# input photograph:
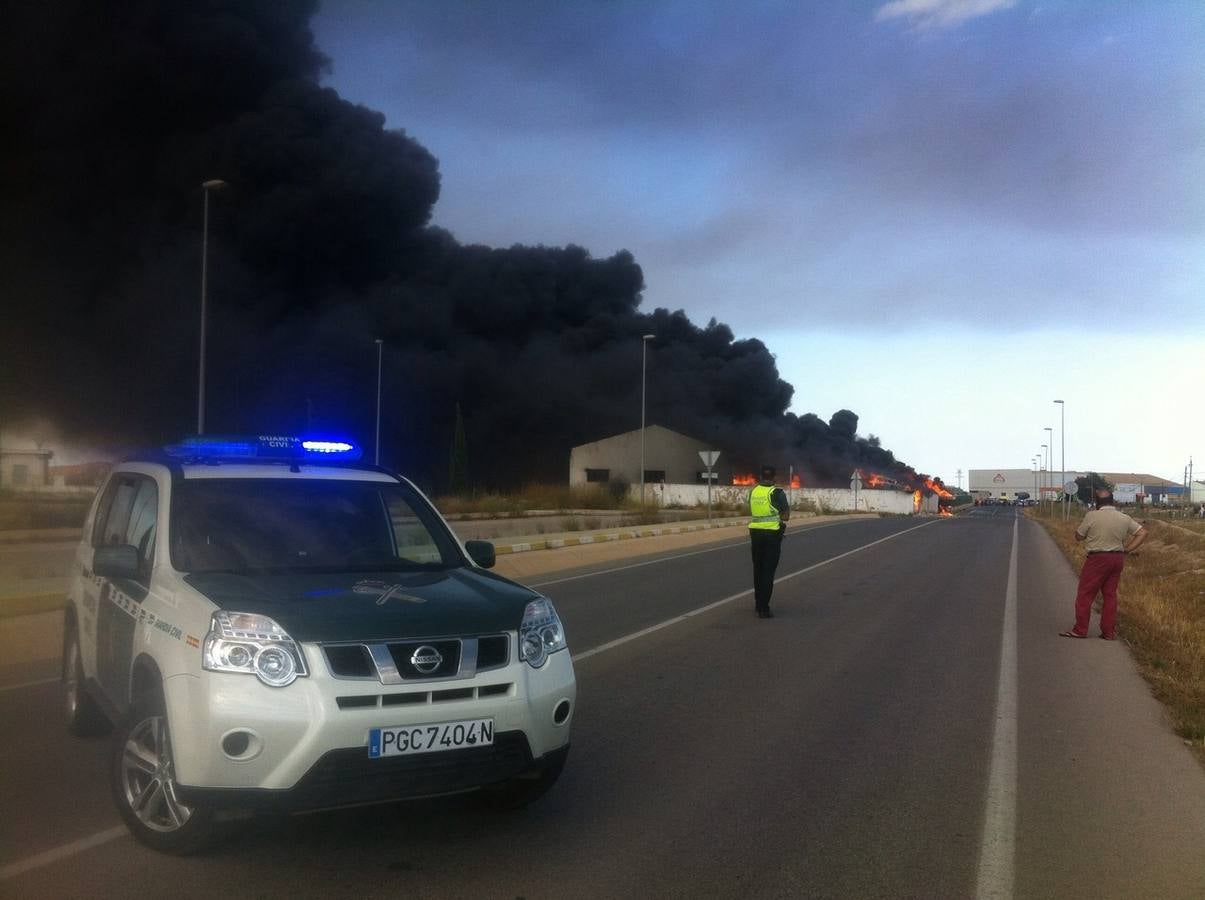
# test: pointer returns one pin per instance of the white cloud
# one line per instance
(939, 13)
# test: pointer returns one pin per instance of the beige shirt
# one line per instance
(1106, 529)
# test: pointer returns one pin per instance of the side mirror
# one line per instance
(119, 562)
(481, 552)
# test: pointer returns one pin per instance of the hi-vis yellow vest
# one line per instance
(765, 516)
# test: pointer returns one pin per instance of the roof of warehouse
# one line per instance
(1137, 478)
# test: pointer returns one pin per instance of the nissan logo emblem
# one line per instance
(426, 659)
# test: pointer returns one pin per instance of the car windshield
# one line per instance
(275, 524)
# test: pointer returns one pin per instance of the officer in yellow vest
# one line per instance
(770, 511)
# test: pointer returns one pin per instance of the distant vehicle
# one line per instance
(269, 625)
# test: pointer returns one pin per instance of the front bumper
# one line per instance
(307, 735)
(349, 778)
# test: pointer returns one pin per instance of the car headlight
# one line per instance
(541, 633)
(254, 645)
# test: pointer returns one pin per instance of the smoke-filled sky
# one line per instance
(942, 214)
(321, 248)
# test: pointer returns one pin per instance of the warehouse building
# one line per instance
(25, 469)
(1128, 487)
(669, 457)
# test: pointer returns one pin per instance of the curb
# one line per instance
(40, 535)
(605, 537)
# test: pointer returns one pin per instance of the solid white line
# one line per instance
(26, 684)
(652, 562)
(58, 853)
(618, 642)
(997, 852)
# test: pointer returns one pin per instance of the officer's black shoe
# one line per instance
(765, 614)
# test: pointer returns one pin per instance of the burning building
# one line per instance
(669, 458)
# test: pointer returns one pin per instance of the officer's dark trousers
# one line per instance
(767, 546)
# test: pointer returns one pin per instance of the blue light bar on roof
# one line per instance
(265, 446)
(327, 446)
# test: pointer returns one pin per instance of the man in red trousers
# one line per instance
(1109, 535)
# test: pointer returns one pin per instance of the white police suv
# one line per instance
(270, 625)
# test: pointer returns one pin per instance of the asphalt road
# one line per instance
(867, 742)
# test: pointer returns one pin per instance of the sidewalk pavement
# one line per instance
(527, 543)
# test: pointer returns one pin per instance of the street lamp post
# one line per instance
(644, 346)
(1045, 475)
(1034, 460)
(212, 185)
(376, 457)
(1063, 452)
(1049, 463)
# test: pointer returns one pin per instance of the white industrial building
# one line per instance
(1128, 487)
(669, 457)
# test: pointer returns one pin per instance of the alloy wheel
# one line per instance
(148, 777)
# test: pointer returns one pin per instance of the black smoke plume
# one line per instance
(116, 113)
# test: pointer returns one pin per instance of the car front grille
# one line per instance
(397, 662)
(410, 698)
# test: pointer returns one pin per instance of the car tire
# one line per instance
(525, 789)
(84, 716)
(142, 777)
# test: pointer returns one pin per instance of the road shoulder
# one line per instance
(1112, 803)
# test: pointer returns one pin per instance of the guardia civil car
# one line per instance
(269, 625)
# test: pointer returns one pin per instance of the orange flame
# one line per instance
(876, 481)
(796, 481)
(945, 511)
(916, 501)
(937, 489)
(743, 480)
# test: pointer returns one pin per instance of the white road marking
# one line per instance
(59, 853)
(27, 684)
(997, 852)
(618, 642)
(652, 562)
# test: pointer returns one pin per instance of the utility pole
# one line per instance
(376, 456)
(959, 475)
(1063, 452)
(644, 349)
(206, 186)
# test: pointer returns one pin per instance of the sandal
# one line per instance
(1072, 634)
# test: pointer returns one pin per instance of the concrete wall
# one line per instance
(675, 454)
(835, 499)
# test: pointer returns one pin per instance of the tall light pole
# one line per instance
(206, 186)
(1063, 452)
(1035, 460)
(1045, 475)
(376, 457)
(1049, 462)
(644, 348)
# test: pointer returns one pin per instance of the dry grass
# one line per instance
(554, 497)
(1162, 615)
(32, 511)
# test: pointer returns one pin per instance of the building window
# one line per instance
(20, 474)
(598, 475)
(654, 476)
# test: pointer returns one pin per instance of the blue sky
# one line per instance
(941, 214)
